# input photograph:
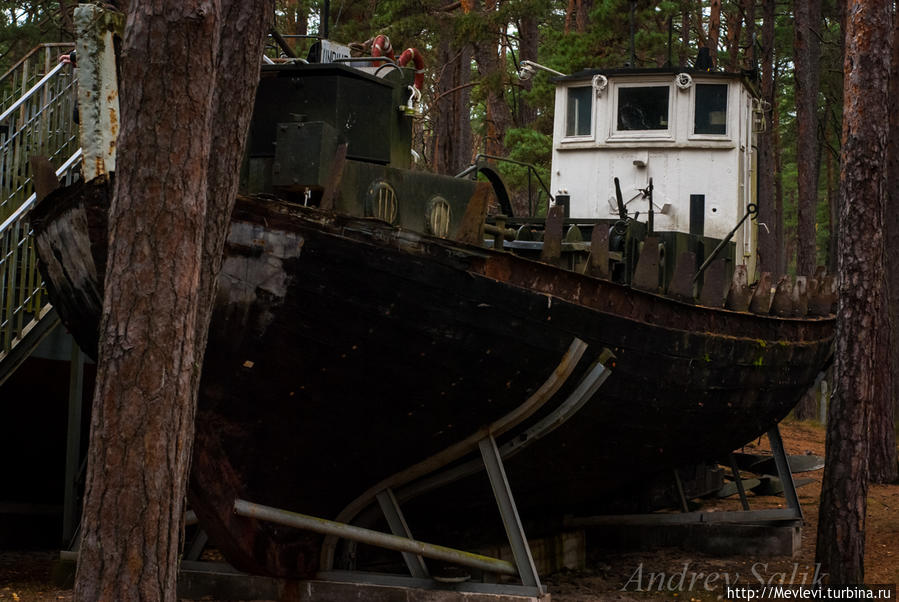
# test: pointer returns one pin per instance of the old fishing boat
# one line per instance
(366, 337)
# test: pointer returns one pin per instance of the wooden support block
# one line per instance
(335, 177)
(782, 305)
(43, 177)
(681, 286)
(800, 296)
(820, 296)
(832, 288)
(598, 262)
(714, 284)
(552, 235)
(739, 295)
(761, 298)
(646, 276)
(471, 230)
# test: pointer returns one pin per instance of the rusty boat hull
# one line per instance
(343, 350)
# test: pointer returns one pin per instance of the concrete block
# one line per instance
(709, 538)
(567, 550)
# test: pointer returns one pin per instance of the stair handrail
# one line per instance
(31, 200)
(39, 122)
(20, 66)
(22, 301)
(31, 92)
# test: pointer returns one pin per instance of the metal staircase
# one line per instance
(37, 101)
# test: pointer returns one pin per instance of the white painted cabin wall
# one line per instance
(680, 164)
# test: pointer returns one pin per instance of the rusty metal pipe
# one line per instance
(375, 538)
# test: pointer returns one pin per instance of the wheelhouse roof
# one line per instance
(749, 77)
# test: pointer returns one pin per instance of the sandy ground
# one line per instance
(606, 577)
(27, 576)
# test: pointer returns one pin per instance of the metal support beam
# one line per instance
(681, 496)
(783, 470)
(70, 516)
(739, 481)
(773, 515)
(197, 546)
(527, 571)
(398, 526)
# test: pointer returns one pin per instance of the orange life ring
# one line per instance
(380, 46)
(412, 54)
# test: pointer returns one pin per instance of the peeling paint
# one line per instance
(98, 96)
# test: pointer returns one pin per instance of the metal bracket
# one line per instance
(397, 523)
(739, 481)
(783, 471)
(524, 560)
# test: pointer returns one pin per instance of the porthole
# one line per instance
(381, 203)
(438, 216)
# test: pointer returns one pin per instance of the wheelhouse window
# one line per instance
(711, 109)
(580, 111)
(642, 108)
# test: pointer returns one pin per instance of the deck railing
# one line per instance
(38, 121)
(24, 301)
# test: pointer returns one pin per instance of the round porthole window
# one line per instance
(381, 203)
(438, 215)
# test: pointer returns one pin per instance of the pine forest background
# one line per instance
(474, 102)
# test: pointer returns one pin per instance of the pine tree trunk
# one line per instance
(682, 55)
(781, 242)
(714, 30)
(807, 53)
(841, 522)
(732, 39)
(883, 421)
(767, 198)
(748, 8)
(529, 42)
(190, 69)
(491, 67)
(452, 141)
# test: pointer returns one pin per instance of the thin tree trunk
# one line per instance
(883, 423)
(734, 21)
(748, 7)
(529, 36)
(68, 25)
(452, 142)
(683, 56)
(714, 30)
(781, 242)
(296, 22)
(491, 68)
(767, 165)
(807, 53)
(186, 66)
(582, 17)
(833, 203)
(841, 522)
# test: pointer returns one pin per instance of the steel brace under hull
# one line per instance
(433, 473)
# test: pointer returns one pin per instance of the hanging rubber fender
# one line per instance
(380, 46)
(412, 54)
(499, 188)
